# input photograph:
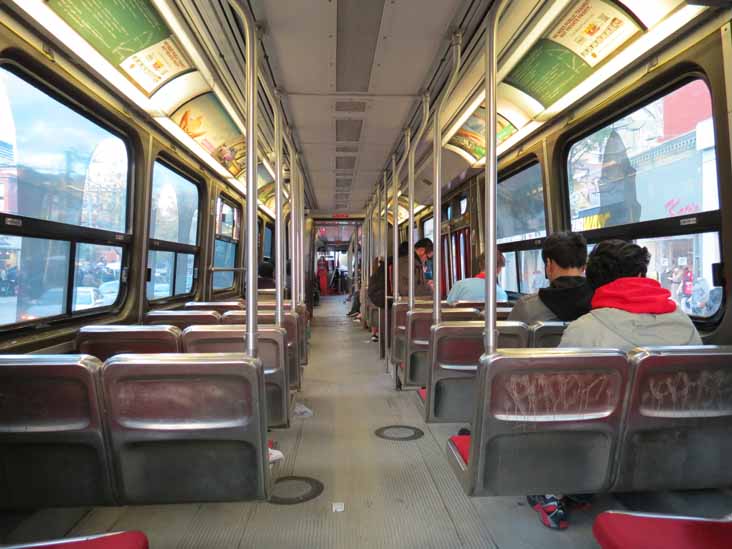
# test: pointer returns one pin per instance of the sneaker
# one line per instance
(464, 432)
(551, 511)
(374, 338)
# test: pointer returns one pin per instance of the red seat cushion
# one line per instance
(422, 394)
(462, 443)
(629, 531)
(118, 540)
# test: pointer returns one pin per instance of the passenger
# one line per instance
(265, 280)
(473, 289)
(422, 249)
(568, 295)
(628, 310)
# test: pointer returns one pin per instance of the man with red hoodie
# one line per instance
(627, 310)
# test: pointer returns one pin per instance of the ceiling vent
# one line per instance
(343, 184)
(348, 130)
(347, 149)
(345, 162)
(357, 29)
(350, 106)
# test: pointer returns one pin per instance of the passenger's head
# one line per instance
(423, 248)
(500, 262)
(266, 269)
(564, 254)
(613, 259)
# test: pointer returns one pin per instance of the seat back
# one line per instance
(108, 340)
(416, 357)
(546, 334)
(271, 351)
(547, 421)
(678, 431)
(52, 447)
(455, 351)
(182, 318)
(187, 427)
(290, 322)
(266, 294)
(219, 306)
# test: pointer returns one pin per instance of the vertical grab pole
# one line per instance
(377, 244)
(301, 231)
(279, 244)
(491, 174)
(410, 191)
(294, 212)
(437, 178)
(251, 142)
(396, 170)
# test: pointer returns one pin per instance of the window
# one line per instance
(654, 163)
(520, 206)
(225, 244)
(268, 251)
(63, 179)
(463, 205)
(428, 228)
(532, 276)
(507, 278)
(174, 234)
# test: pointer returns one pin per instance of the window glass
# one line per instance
(428, 228)
(33, 278)
(57, 165)
(463, 205)
(184, 273)
(224, 256)
(174, 215)
(96, 276)
(161, 276)
(654, 163)
(268, 243)
(532, 272)
(507, 277)
(683, 265)
(228, 220)
(520, 206)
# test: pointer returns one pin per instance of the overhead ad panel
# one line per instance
(130, 35)
(469, 140)
(205, 120)
(588, 33)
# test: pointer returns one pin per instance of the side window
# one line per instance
(655, 164)
(520, 206)
(174, 234)
(428, 228)
(226, 242)
(63, 196)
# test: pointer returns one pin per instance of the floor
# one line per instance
(393, 494)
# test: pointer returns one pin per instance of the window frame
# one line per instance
(687, 224)
(158, 245)
(75, 235)
(234, 239)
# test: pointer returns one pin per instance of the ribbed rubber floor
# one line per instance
(394, 494)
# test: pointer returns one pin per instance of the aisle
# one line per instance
(393, 494)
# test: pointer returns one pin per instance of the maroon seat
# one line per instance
(116, 540)
(619, 530)
(182, 319)
(116, 339)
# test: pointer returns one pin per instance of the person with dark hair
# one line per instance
(265, 280)
(628, 309)
(568, 295)
(422, 249)
(473, 289)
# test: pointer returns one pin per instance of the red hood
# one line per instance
(634, 295)
(480, 275)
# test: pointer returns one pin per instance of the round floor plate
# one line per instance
(399, 432)
(292, 490)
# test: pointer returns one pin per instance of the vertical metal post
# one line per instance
(410, 190)
(301, 232)
(395, 227)
(279, 221)
(491, 173)
(251, 173)
(437, 179)
(377, 245)
(294, 250)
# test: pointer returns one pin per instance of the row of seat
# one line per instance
(600, 420)
(107, 341)
(453, 356)
(139, 429)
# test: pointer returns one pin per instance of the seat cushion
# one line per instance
(422, 392)
(628, 531)
(462, 443)
(118, 540)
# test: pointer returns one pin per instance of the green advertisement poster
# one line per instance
(130, 34)
(469, 140)
(586, 35)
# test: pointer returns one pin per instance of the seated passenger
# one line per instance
(568, 295)
(265, 280)
(422, 250)
(473, 289)
(628, 310)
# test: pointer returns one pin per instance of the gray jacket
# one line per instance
(614, 328)
(530, 309)
(421, 289)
